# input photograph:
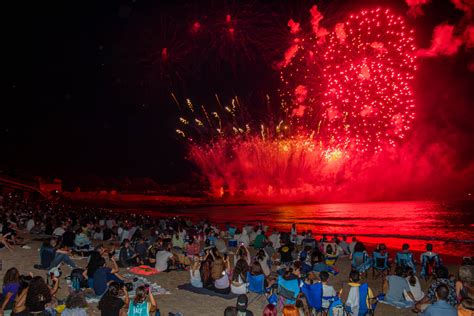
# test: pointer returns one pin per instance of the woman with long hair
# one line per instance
(76, 305)
(239, 277)
(140, 306)
(19, 307)
(39, 294)
(220, 274)
(11, 285)
(111, 304)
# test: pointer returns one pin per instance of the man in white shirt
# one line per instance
(162, 258)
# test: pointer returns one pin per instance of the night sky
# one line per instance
(88, 93)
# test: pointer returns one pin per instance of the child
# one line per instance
(140, 306)
(356, 290)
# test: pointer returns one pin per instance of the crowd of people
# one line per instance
(292, 271)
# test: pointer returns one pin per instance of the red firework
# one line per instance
(369, 67)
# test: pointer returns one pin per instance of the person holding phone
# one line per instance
(140, 305)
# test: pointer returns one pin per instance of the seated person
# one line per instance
(330, 254)
(441, 307)
(239, 277)
(286, 252)
(220, 270)
(141, 249)
(127, 256)
(395, 287)
(240, 308)
(430, 261)
(344, 245)
(415, 288)
(164, 258)
(105, 275)
(195, 273)
(220, 244)
(405, 259)
(442, 277)
(357, 291)
(177, 241)
(47, 253)
(260, 240)
(81, 241)
(381, 260)
(464, 288)
(328, 290)
(360, 259)
(262, 258)
(192, 247)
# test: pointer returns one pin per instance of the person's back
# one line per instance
(441, 307)
(138, 309)
(415, 288)
(397, 285)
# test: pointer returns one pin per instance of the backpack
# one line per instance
(77, 279)
(336, 308)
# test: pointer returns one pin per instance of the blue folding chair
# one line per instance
(361, 262)
(288, 289)
(314, 297)
(380, 264)
(429, 264)
(405, 260)
(256, 284)
(364, 308)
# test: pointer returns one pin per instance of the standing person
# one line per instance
(286, 253)
(111, 304)
(275, 238)
(11, 285)
(140, 306)
(293, 233)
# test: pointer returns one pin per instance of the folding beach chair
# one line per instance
(365, 308)
(314, 297)
(361, 262)
(256, 285)
(380, 265)
(429, 265)
(288, 290)
(405, 260)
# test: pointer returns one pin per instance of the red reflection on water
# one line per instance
(447, 227)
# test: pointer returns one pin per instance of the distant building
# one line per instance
(52, 187)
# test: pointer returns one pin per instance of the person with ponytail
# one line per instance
(140, 305)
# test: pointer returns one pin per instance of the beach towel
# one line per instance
(144, 270)
(188, 287)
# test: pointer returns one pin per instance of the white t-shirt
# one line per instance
(162, 258)
(30, 224)
(59, 231)
(328, 290)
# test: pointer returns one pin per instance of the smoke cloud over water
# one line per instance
(434, 161)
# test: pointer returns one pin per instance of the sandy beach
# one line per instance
(190, 304)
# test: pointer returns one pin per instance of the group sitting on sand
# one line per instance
(292, 271)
